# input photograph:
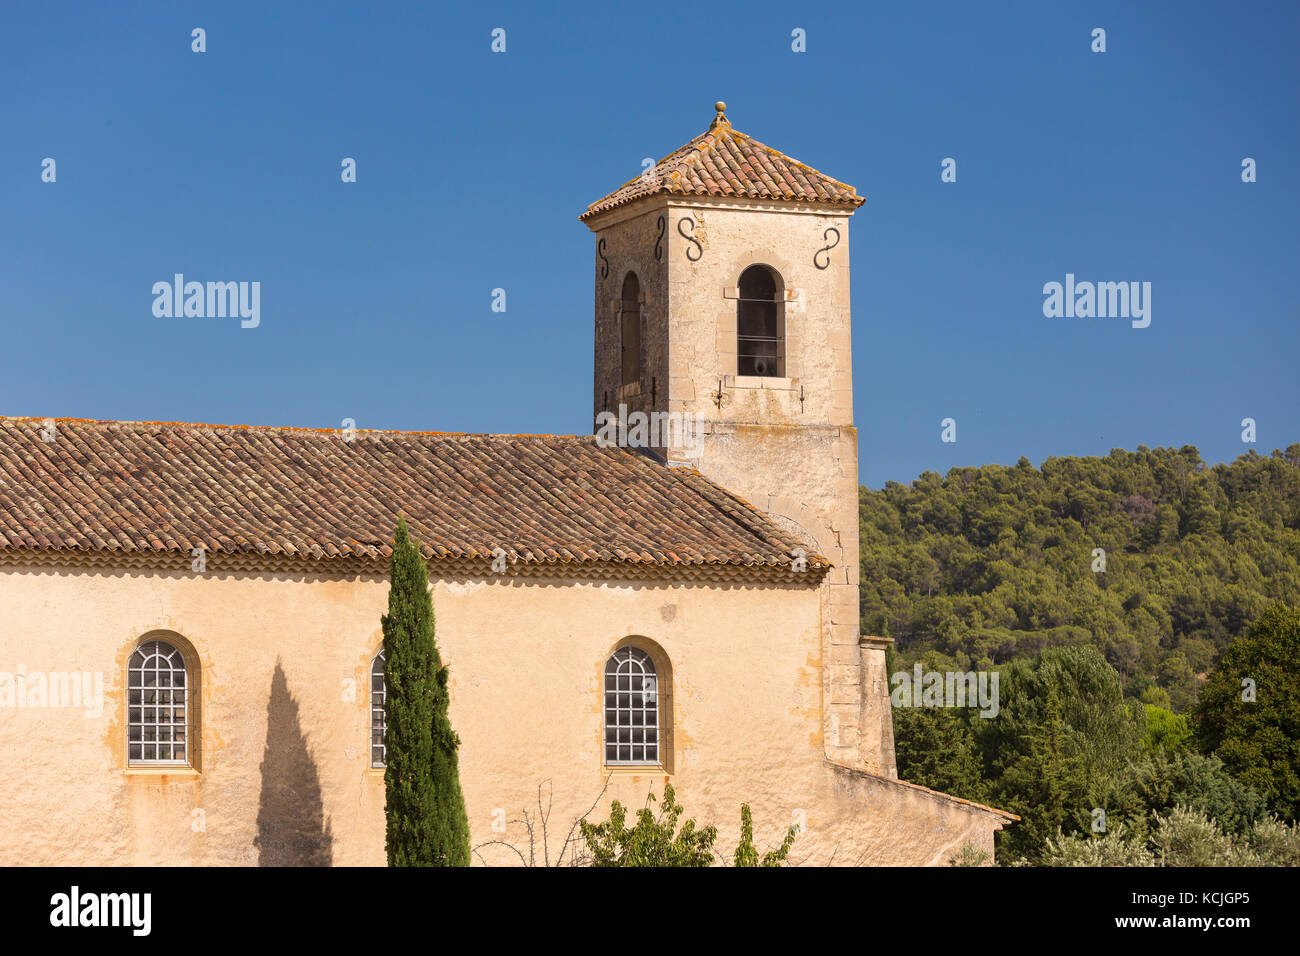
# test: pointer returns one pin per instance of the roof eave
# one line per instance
(596, 220)
(221, 563)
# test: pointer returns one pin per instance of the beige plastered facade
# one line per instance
(284, 776)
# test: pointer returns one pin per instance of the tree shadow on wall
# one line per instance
(291, 825)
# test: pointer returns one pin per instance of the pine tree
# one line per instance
(1249, 710)
(425, 811)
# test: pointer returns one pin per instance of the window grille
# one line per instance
(157, 705)
(631, 709)
(378, 721)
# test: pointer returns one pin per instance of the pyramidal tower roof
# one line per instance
(725, 163)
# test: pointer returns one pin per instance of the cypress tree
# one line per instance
(425, 809)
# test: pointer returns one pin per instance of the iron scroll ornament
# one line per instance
(827, 249)
(600, 251)
(699, 253)
(659, 252)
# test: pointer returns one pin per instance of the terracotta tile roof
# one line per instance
(154, 488)
(724, 162)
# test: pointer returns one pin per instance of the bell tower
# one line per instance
(722, 302)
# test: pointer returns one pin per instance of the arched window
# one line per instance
(632, 725)
(158, 705)
(630, 323)
(378, 693)
(760, 336)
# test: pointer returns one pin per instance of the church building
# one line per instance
(190, 658)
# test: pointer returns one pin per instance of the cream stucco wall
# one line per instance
(283, 770)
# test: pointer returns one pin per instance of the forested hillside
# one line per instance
(989, 564)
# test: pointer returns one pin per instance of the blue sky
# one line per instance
(473, 168)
